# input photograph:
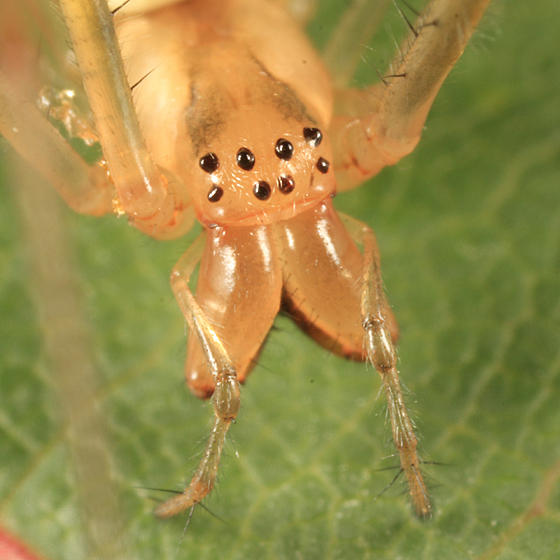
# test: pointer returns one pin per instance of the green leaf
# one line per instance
(468, 228)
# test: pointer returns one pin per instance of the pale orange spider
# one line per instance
(221, 111)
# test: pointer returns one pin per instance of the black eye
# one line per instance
(322, 165)
(262, 190)
(209, 162)
(215, 193)
(245, 159)
(284, 149)
(286, 184)
(313, 135)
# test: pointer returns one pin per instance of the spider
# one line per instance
(221, 112)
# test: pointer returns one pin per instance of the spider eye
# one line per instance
(286, 184)
(209, 162)
(313, 136)
(322, 165)
(215, 193)
(245, 159)
(284, 149)
(262, 190)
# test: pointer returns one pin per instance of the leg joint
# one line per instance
(227, 396)
(372, 322)
(380, 349)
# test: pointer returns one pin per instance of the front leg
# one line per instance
(226, 398)
(380, 125)
(145, 192)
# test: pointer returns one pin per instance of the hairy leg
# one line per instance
(226, 397)
(382, 354)
(381, 124)
(357, 25)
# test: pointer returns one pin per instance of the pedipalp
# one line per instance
(226, 396)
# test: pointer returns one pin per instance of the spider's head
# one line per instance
(261, 167)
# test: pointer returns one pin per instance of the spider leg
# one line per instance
(382, 354)
(357, 25)
(226, 397)
(85, 188)
(380, 125)
(145, 192)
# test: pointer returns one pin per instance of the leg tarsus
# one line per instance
(226, 402)
(405, 442)
(203, 480)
